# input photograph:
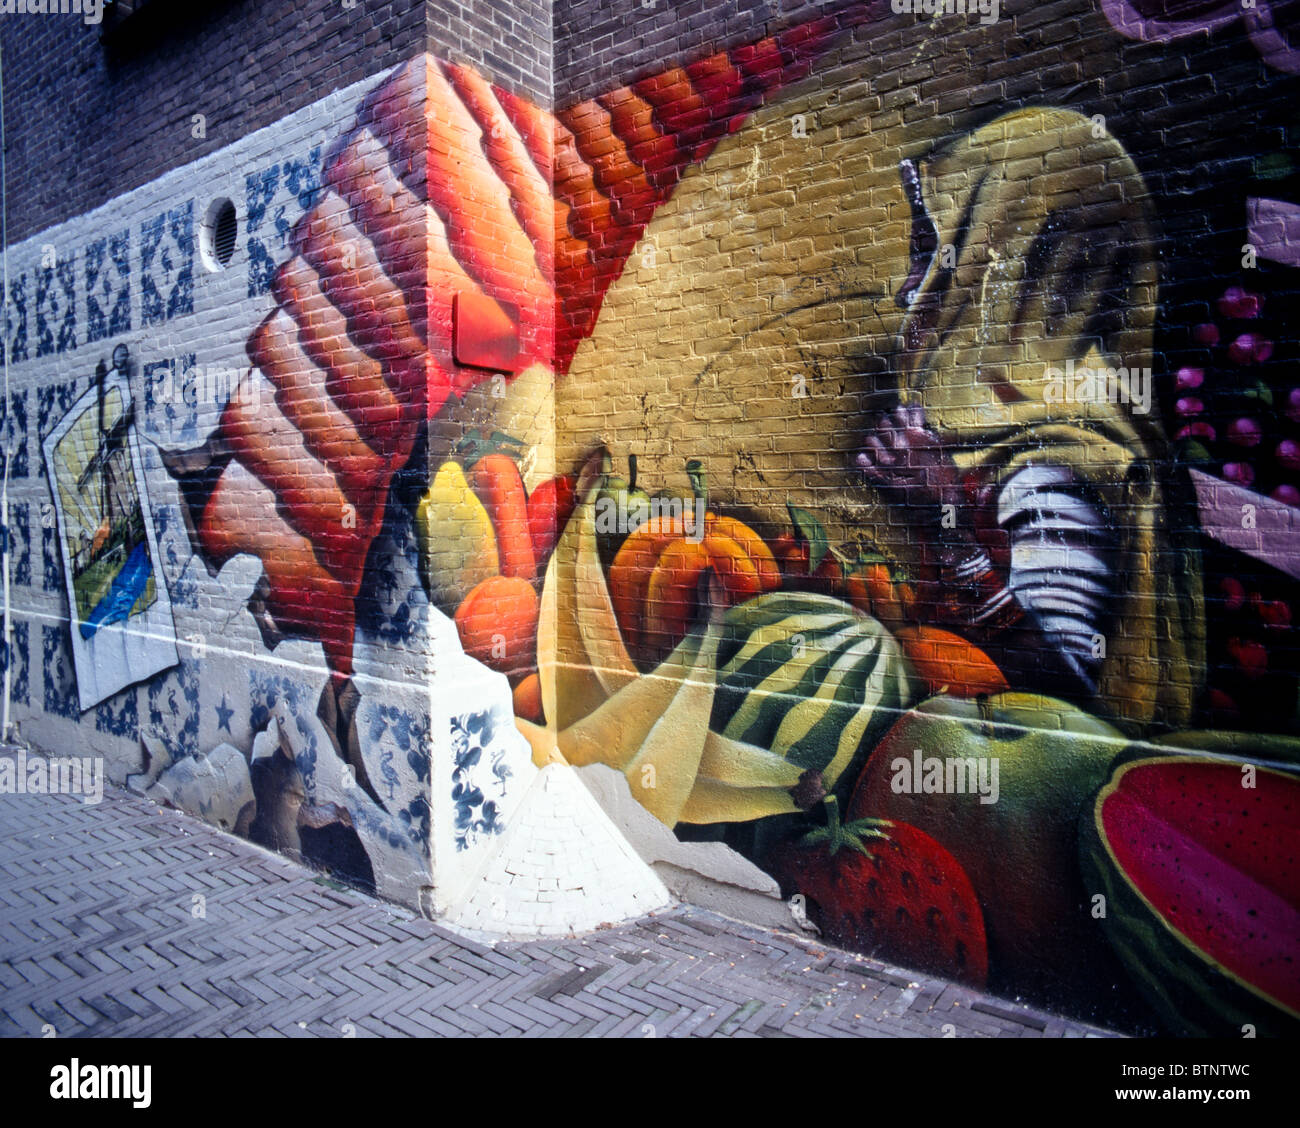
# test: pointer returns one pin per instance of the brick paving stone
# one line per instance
(558, 1015)
(630, 1026)
(605, 1025)
(78, 1013)
(25, 1018)
(413, 1028)
(588, 1006)
(514, 1013)
(1033, 1021)
(97, 938)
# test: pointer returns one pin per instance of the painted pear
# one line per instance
(458, 546)
(621, 507)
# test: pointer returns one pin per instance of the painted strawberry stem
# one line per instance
(837, 834)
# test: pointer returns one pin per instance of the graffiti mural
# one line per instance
(981, 551)
(902, 501)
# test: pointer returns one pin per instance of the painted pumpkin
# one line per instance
(655, 575)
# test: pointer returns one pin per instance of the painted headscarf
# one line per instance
(1043, 266)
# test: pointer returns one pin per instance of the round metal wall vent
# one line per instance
(219, 235)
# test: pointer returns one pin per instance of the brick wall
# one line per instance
(750, 282)
(600, 46)
(240, 413)
(89, 120)
(509, 41)
(756, 283)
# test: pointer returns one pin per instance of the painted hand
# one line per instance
(904, 457)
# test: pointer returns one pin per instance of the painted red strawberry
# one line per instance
(889, 890)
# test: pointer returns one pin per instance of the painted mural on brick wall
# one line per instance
(879, 496)
(934, 551)
(965, 597)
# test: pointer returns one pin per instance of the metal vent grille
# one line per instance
(225, 230)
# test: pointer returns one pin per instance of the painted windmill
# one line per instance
(111, 463)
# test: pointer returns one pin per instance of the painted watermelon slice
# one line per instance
(1201, 873)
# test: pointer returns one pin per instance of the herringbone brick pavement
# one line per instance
(124, 919)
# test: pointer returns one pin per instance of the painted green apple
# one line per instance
(999, 783)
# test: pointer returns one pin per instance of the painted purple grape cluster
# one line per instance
(1235, 413)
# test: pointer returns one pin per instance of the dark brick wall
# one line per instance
(88, 120)
(600, 44)
(509, 40)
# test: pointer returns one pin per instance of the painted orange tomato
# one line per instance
(871, 589)
(528, 698)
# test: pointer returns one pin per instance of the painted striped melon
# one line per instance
(810, 678)
(1199, 861)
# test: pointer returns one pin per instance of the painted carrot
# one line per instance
(947, 663)
(495, 479)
